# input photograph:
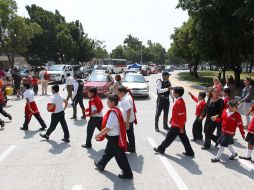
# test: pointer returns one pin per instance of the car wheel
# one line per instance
(62, 80)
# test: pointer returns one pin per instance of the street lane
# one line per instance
(38, 164)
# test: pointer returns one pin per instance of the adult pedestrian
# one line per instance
(57, 107)
(212, 112)
(246, 99)
(230, 84)
(7, 74)
(44, 76)
(117, 84)
(17, 81)
(78, 95)
(163, 103)
(2, 74)
(69, 86)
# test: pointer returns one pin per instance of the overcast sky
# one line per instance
(112, 20)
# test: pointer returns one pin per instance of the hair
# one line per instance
(216, 78)
(202, 94)
(179, 90)
(113, 98)
(231, 80)
(27, 85)
(122, 89)
(227, 91)
(68, 74)
(93, 90)
(165, 73)
(233, 103)
(248, 79)
(55, 88)
(211, 91)
(118, 78)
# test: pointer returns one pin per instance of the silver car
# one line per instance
(137, 84)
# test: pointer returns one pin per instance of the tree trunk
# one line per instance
(195, 71)
(237, 72)
(224, 73)
(250, 67)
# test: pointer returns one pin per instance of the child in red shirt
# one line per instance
(226, 96)
(197, 125)
(250, 137)
(230, 120)
(177, 122)
(35, 82)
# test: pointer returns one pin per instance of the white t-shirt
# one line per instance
(113, 125)
(57, 99)
(29, 94)
(125, 104)
(98, 114)
(69, 81)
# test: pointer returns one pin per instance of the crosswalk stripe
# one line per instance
(6, 152)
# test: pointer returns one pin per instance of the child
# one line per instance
(177, 122)
(31, 109)
(249, 137)
(95, 114)
(231, 119)
(226, 96)
(2, 103)
(58, 115)
(197, 125)
(35, 82)
(113, 127)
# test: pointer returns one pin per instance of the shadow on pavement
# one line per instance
(118, 183)
(80, 123)
(56, 147)
(94, 155)
(30, 134)
(136, 162)
(186, 162)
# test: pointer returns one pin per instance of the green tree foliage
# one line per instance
(15, 32)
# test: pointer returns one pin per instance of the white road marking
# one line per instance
(172, 172)
(6, 152)
(247, 164)
(153, 95)
(77, 187)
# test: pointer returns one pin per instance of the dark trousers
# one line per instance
(113, 150)
(131, 138)
(197, 129)
(3, 112)
(35, 89)
(55, 119)
(77, 101)
(92, 123)
(209, 129)
(162, 105)
(39, 119)
(172, 134)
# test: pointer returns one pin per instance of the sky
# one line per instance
(112, 20)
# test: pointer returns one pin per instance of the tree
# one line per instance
(118, 53)
(100, 50)
(133, 43)
(15, 32)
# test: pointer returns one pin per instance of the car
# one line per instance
(58, 73)
(99, 71)
(80, 70)
(137, 84)
(145, 70)
(102, 81)
(132, 70)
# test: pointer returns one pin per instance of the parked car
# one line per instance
(132, 70)
(137, 84)
(102, 81)
(145, 70)
(80, 70)
(98, 71)
(58, 72)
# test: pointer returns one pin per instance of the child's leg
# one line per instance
(186, 143)
(221, 150)
(172, 134)
(249, 151)
(231, 149)
(108, 154)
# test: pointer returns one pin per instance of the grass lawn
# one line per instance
(206, 77)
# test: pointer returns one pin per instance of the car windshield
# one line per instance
(56, 68)
(134, 78)
(97, 78)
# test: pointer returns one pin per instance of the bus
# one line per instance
(115, 65)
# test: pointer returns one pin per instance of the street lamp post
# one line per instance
(141, 61)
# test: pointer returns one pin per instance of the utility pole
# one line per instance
(141, 55)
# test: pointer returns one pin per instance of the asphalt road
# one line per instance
(29, 163)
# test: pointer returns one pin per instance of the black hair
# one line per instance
(233, 103)
(202, 94)
(27, 85)
(122, 89)
(55, 88)
(179, 90)
(227, 91)
(113, 98)
(93, 90)
(165, 73)
(68, 74)
(248, 79)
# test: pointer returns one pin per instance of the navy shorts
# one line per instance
(250, 138)
(225, 140)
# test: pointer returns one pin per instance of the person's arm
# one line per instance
(75, 89)
(128, 118)
(102, 133)
(159, 89)
(250, 110)
(240, 126)
(193, 97)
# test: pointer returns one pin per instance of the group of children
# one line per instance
(220, 113)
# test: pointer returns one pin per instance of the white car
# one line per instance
(58, 73)
(137, 84)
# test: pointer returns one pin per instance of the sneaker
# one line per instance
(98, 166)
(65, 140)
(214, 160)
(124, 176)
(157, 150)
(24, 128)
(166, 128)
(188, 154)
(205, 148)
(42, 128)
(232, 157)
(157, 130)
(9, 117)
(73, 117)
(86, 146)
(83, 117)
(44, 136)
(245, 158)
(2, 124)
